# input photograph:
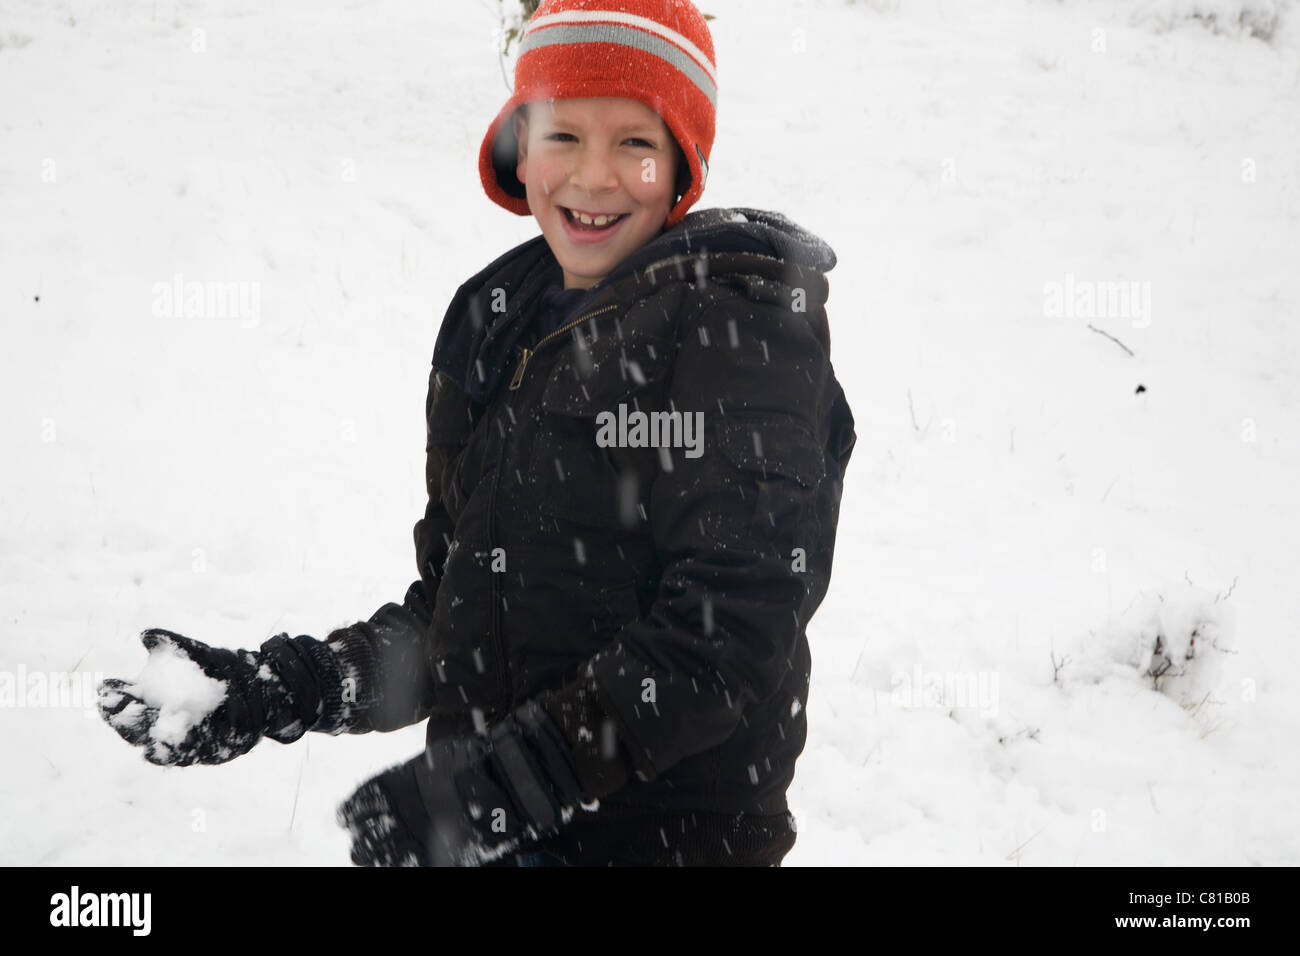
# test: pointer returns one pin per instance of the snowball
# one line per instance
(181, 692)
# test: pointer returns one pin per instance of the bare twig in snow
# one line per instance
(1057, 665)
(1231, 588)
(1111, 337)
(298, 787)
(1015, 854)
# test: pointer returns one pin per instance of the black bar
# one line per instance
(331, 905)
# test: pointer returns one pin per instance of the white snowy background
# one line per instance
(1018, 517)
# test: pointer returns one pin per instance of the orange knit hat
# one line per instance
(658, 52)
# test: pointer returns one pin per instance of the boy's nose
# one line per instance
(595, 172)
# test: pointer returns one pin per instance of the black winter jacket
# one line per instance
(654, 599)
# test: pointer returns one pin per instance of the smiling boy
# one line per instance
(607, 636)
(585, 159)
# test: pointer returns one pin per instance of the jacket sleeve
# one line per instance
(387, 682)
(730, 527)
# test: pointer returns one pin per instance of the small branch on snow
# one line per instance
(298, 787)
(1057, 665)
(81, 658)
(1231, 588)
(1015, 854)
(1198, 707)
(870, 752)
(1111, 337)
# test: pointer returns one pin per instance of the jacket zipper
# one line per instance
(504, 692)
(504, 689)
(525, 354)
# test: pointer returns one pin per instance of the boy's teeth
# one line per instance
(586, 220)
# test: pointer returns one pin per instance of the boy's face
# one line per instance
(605, 155)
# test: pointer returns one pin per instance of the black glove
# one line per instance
(275, 692)
(467, 800)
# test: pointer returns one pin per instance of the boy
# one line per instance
(635, 454)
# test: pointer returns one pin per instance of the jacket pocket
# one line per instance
(574, 476)
(773, 446)
(592, 375)
(786, 464)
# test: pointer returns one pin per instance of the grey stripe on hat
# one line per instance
(624, 36)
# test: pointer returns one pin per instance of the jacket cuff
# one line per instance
(311, 672)
(582, 715)
(360, 679)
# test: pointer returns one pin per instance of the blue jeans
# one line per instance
(538, 858)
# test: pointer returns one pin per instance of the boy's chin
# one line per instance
(586, 278)
(592, 264)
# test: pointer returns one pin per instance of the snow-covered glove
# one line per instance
(181, 717)
(467, 800)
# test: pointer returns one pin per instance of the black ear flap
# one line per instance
(505, 158)
(682, 183)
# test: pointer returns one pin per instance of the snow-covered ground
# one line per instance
(1021, 522)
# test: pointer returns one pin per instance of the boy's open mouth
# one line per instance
(592, 223)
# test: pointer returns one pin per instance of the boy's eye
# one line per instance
(631, 139)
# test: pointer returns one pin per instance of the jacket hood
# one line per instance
(477, 337)
(733, 229)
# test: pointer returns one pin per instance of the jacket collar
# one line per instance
(490, 311)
